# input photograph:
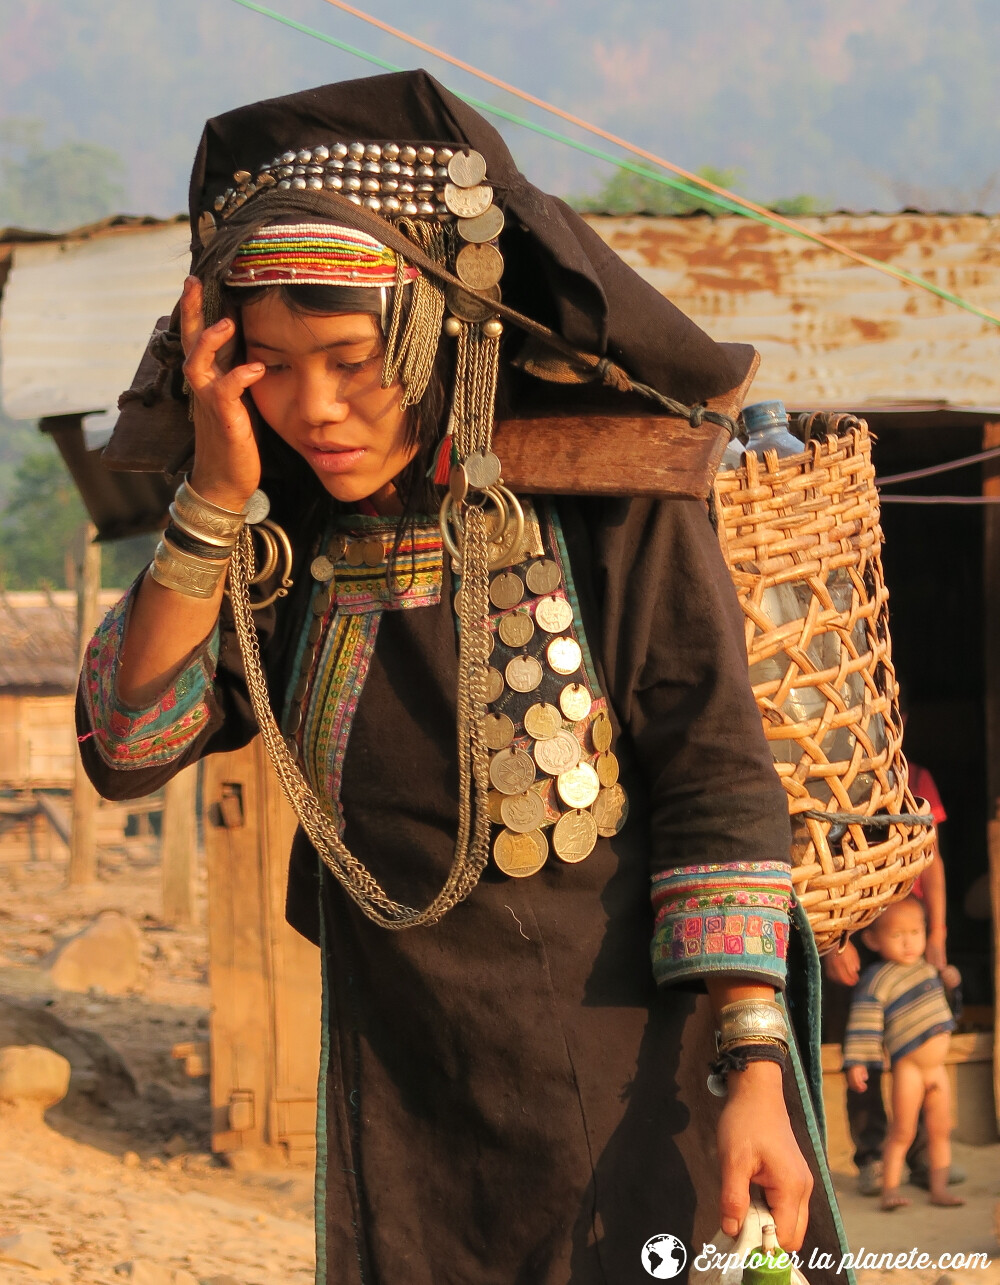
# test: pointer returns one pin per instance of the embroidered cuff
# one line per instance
(725, 918)
(129, 738)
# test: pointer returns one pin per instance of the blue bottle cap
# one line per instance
(762, 415)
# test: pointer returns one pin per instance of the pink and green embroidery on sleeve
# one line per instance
(726, 918)
(129, 738)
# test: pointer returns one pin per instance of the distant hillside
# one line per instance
(865, 105)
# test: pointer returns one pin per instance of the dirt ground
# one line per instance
(120, 1176)
(971, 1229)
(132, 1180)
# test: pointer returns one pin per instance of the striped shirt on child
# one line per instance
(895, 1006)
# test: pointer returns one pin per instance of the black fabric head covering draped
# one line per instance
(557, 269)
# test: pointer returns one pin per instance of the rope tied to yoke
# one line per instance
(695, 415)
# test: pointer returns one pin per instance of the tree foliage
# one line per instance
(39, 527)
(626, 192)
(801, 206)
(54, 187)
(17, 437)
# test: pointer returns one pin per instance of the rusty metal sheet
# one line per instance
(831, 332)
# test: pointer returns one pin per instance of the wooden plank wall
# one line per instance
(39, 742)
(265, 979)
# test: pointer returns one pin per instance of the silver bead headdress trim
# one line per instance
(399, 181)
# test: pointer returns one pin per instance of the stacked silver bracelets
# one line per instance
(750, 1030)
(192, 557)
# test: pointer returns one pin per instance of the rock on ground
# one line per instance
(33, 1076)
(97, 1070)
(107, 954)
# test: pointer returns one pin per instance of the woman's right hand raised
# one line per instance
(226, 459)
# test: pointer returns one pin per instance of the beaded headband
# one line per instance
(286, 254)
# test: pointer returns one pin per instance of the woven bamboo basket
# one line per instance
(803, 542)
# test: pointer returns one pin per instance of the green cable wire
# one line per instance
(655, 176)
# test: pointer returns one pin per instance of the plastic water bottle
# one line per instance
(767, 429)
(732, 456)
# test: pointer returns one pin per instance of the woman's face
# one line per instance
(322, 393)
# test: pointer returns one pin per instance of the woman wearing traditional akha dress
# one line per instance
(517, 924)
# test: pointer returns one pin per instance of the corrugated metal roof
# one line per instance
(77, 312)
(117, 222)
(831, 332)
(38, 639)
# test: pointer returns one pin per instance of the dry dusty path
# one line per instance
(131, 1182)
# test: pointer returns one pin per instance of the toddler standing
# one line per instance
(900, 1005)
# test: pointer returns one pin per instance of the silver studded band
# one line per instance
(398, 180)
(750, 1020)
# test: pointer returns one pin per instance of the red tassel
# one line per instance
(442, 466)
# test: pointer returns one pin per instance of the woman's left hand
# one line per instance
(756, 1144)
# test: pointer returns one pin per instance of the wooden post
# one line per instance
(83, 839)
(991, 609)
(265, 978)
(991, 640)
(179, 847)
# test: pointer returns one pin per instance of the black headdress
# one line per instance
(557, 269)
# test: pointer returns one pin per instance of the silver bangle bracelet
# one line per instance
(208, 535)
(184, 573)
(748, 1020)
(203, 519)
